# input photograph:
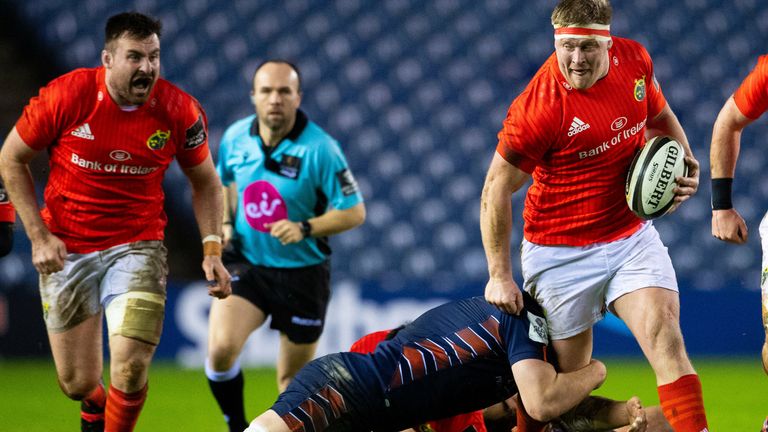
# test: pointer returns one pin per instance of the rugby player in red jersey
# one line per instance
(746, 105)
(111, 133)
(574, 130)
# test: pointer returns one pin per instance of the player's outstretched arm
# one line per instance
(502, 180)
(48, 251)
(547, 394)
(727, 223)
(207, 203)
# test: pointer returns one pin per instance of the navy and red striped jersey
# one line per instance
(453, 359)
(460, 353)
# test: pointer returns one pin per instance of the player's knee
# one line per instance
(222, 355)
(131, 372)
(77, 387)
(136, 315)
(662, 331)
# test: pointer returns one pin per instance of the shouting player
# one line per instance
(575, 129)
(111, 132)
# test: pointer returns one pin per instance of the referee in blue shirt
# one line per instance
(288, 187)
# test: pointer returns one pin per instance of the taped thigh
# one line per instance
(136, 315)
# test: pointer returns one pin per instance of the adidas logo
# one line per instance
(83, 131)
(577, 125)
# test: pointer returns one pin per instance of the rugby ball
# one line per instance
(651, 177)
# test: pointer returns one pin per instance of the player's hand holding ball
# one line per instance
(660, 178)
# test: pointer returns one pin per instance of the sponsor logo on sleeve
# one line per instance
(157, 140)
(195, 136)
(347, 182)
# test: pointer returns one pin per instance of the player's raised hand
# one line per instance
(505, 295)
(219, 279)
(48, 254)
(728, 225)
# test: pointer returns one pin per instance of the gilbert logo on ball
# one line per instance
(651, 178)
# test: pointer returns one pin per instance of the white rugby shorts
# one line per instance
(576, 285)
(90, 281)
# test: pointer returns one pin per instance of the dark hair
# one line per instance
(581, 12)
(279, 61)
(132, 24)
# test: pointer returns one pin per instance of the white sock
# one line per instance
(221, 376)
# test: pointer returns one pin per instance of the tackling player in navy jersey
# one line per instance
(458, 357)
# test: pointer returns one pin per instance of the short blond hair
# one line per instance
(569, 13)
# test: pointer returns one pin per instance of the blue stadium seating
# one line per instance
(416, 91)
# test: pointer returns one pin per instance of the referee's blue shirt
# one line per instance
(303, 176)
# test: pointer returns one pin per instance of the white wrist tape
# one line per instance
(212, 238)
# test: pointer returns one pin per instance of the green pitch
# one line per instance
(735, 391)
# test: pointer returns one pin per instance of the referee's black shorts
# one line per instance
(296, 298)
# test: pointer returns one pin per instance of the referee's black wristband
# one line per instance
(306, 229)
(721, 193)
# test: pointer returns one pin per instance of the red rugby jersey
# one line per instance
(578, 145)
(752, 95)
(107, 164)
